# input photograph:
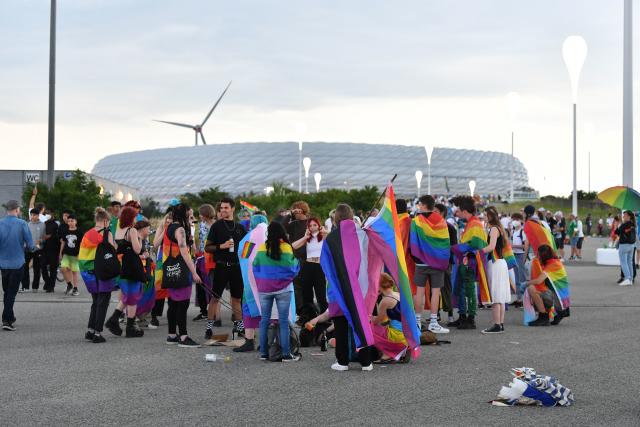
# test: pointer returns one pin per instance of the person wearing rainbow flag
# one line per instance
(100, 290)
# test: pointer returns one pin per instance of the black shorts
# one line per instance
(227, 275)
(559, 242)
(579, 244)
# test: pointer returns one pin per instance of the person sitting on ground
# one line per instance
(387, 324)
(541, 291)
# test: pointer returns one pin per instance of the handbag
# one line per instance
(175, 273)
(106, 265)
(132, 267)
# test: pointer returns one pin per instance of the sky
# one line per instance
(421, 72)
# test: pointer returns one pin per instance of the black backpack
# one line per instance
(106, 265)
(273, 341)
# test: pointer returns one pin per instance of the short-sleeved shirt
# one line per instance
(627, 233)
(221, 231)
(72, 239)
(52, 244)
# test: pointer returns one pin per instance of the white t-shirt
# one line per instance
(314, 248)
(328, 224)
(506, 223)
(518, 238)
(579, 229)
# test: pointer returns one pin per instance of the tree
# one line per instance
(80, 194)
(150, 208)
(211, 196)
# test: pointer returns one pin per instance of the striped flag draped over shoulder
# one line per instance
(473, 239)
(352, 276)
(385, 238)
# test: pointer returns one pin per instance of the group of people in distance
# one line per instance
(455, 258)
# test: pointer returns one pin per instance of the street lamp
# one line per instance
(574, 52)
(317, 178)
(472, 187)
(418, 180)
(513, 106)
(627, 96)
(51, 137)
(306, 162)
(301, 128)
(429, 151)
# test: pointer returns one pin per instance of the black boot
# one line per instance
(470, 323)
(456, 324)
(247, 346)
(542, 320)
(113, 324)
(132, 330)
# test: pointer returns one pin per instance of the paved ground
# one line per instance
(51, 376)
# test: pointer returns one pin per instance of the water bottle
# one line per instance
(231, 248)
(217, 358)
(323, 341)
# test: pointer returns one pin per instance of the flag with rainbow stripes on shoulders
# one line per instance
(248, 206)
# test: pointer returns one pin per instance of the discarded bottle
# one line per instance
(323, 342)
(217, 358)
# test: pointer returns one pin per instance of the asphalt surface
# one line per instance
(51, 376)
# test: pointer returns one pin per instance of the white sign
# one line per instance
(32, 177)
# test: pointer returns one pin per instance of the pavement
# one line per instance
(51, 376)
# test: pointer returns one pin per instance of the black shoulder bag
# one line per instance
(175, 273)
(132, 268)
(106, 265)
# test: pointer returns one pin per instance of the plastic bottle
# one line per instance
(323, 342)
(217, 358)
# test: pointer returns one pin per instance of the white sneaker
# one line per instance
(368, 368)
(437, 329)
(338, 367)
(626, 282)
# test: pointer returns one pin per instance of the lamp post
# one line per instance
(306, 162)
(51, 144)
(627, 97)
(472, 187)
(574, 52)
(418, 180)
(429, 151)
(301, 128)
(317, 177)
(589, 137)
(513, 105)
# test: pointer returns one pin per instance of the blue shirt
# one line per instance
(14, 236)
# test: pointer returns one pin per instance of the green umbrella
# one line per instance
(620, 197)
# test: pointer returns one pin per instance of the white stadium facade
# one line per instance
(254, 166)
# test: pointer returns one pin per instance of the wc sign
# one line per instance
(32, 177)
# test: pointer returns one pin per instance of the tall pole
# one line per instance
(627, 97)
(52, 97)
(300, 167)
(429, 180)
(589, 169)
(574, 207)
(512, 159)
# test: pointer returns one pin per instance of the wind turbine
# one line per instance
(198, 128)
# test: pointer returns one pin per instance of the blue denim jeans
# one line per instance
(521, 276)
(10, 282)
(283, 302)
(625, 252)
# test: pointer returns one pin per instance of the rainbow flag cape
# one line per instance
(148, 298)
(386, 239)
(473, 239)
(538, 235)
(559, 281)
(429, 240)
(250, 296)
(353, 276)
(275, 275)
(248, 206)
(507, 255)
(88, 246)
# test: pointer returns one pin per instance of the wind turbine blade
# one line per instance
(196, 138)
(202, 138)
(215, 105)
(184, 125)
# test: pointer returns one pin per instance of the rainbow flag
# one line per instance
(473, 239)
(275, 275)
(248, 206)
(353, 276)
(429, 240)
(538, 235)
(507, 255)
(559, 281)
(386, 239)
(148, 298)
(247, 248)
(250, 296)
(88, 246)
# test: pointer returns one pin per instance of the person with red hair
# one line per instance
(312, 276)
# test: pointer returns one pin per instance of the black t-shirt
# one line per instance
(52, 244)
(296, 229)
(627, 233)
(220, 232)
(62, 229)
(72, 239)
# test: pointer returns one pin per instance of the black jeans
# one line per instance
(37, 258)
(297, 290)
(177, 316)
(49, 263)
(313, 280)
(158, 308)
(345, 346)
(201, 299)
(98, 312)
(10, 284)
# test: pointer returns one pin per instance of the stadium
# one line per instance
(254, 166)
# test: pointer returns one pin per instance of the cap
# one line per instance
(12, 205)
(174, 202)
(529, 210)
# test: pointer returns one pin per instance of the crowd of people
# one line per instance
(456, 259)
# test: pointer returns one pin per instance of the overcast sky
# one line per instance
(432, 72)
